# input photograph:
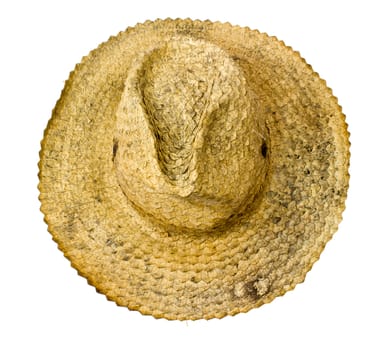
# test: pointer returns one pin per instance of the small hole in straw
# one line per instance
(115, 147)
(264, 149)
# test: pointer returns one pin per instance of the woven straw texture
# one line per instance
(194, 169)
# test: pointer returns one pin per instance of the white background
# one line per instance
(44, 304)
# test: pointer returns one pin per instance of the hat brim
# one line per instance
(268, 249)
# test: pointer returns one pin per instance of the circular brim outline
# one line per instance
(139, 266)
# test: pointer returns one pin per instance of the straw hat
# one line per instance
(194, 169)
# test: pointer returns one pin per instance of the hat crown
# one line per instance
(198, 136)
